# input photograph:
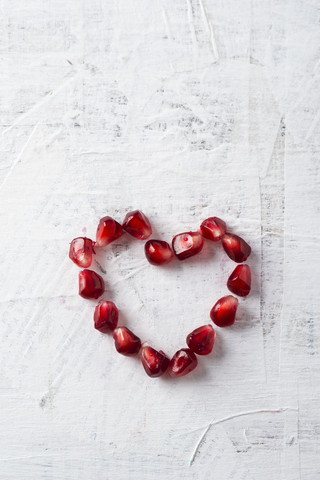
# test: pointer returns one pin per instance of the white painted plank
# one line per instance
(184, 109)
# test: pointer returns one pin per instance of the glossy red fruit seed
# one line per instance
(223, 313)
(155, 363)
(81, 250)
(239, 281)
(236, 248)
(187, 244)
(91, 285)
(182, 363)
(213, 228)
(201, 340)
(108, 230)
(158, 252)
(137, 225)
(126, 342)
(105, 316)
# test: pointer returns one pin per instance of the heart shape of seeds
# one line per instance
(158, 252)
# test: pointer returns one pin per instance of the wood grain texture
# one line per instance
(184, 109)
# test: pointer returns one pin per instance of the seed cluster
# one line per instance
(158, 252)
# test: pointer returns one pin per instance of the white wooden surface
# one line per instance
(185, 109)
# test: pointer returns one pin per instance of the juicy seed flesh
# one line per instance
(91, 285)
(201, 340)
(239, 281)
(213, 228)
(137, 225)
(108, 230)
(236, 248)
(182, 363)
(155, 363)
(158, 252)
(187, 244)
(81, 251)
(105, 316)
(223, 313)
(126, 342)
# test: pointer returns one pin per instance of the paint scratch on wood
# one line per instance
(231, 417)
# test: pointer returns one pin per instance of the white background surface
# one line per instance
(183, 109)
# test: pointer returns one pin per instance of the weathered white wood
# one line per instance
(184, 109)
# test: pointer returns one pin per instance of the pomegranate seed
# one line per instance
(239, 281)
(213, 228)
(223, 313)
(105, 316)
(91, 285)
(182, 362)
(81, 250)
(201, 340)
(108, 230)
(155, 363)
(236, 248)
(137, 225)
(187, 244)
(158, 252)
(126, 342)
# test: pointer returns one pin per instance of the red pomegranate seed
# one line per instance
(91, 285)
(158, 252)
(137, 225)
(239, 281)
(187, 244)
(182, 362)
(81, 250)
(201, 340)
(236, 248)
(213, 228)
(108, 230)
(105, 316)
(126, 342)
(155, 363)
(223, 313)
